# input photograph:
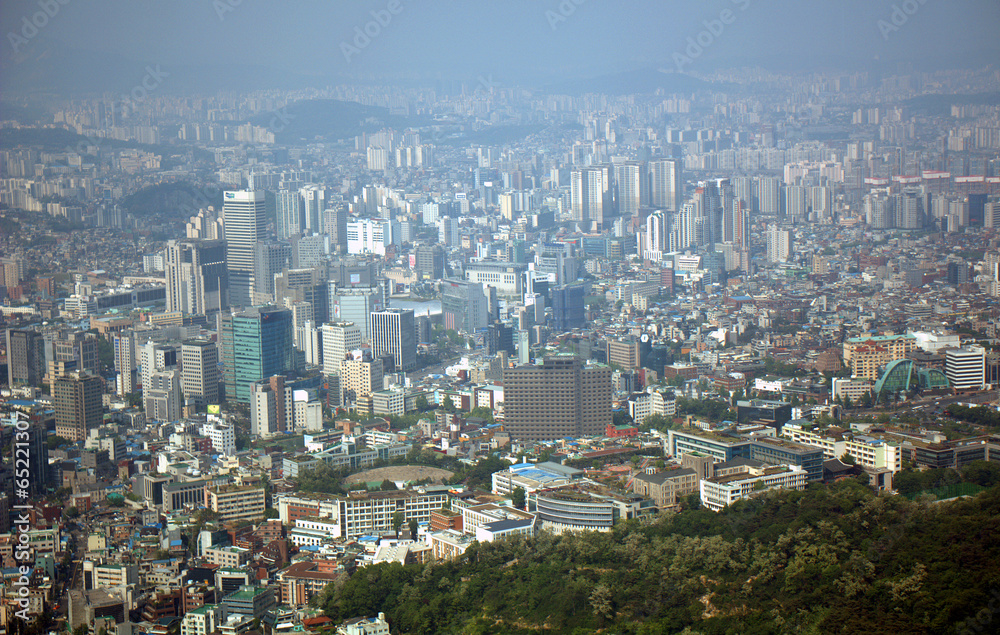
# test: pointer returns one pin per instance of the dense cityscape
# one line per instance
(679, 350)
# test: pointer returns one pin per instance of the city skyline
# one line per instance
(365, 42)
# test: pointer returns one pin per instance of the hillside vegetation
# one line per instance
(825, 560)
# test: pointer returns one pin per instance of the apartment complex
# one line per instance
(866, 355)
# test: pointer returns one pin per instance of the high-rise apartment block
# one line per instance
(666, 187)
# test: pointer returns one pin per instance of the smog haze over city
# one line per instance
(524, 316)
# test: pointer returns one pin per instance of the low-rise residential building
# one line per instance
(346, 454)
(250, 601)
(724, 447)
(774, 451)
(291, 507)
(854, 389)
(449, 544)
(233, 557)
(235, 502)
(177, 495)
(314, 531)
(365, 626)
(666, 487)
(300, 581)
(868, 451)
(111, 575)
(501, 529)
(718, 492)
(203, 620)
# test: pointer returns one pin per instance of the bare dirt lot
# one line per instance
(401, 473)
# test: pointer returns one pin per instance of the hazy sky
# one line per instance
(530, 41)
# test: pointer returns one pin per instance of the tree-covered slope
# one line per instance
(827, 560)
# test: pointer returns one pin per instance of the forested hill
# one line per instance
(826, 560)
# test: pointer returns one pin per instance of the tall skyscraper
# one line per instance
(126, 362)
(796, 201)
(966, 367)
(288, 204)
(256, 343)
(429, 262)
(77, 399)
(162, 398)
(313, 205)
(879, 209)
(393, 333)
(769, 195)
(74, 350)
(336, 226)
(197, 276)
(666, 187)
(200, 372)
(270, 257)
(154, 356)
(25, 357)
(369, 236)
(464, 305)
(359, 377)
(270, 407)
(657, 231)
(568, 310)
(339, 339)
(629, 185)
(245, 224)
(590, 195)
(741, 226)
(779, 245)
(355, 304)
(559, 398)
(744, 190)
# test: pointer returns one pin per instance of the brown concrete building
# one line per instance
(559, 398)
(624, 354)
(77, 398)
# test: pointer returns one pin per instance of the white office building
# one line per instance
(369, 236)
(966, 367)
